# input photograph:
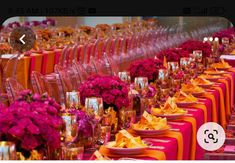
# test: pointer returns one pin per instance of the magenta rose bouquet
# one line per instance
(111, 89)
(173, 54)
(229, 33)
(192, 45)
(145, 68)
(31, 122)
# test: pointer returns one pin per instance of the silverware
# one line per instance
(176, 123)
(156, 147)
(157, 140)
(175, 129)
(189, 114)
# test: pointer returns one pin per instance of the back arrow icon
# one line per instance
(21, 39)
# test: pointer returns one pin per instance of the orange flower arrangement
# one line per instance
(45, 34)
(87, 30)
(118, 26)
(67, 31)
(103, 27)
(5, 48)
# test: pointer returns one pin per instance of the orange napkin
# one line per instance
(214, 111)
(193, 135)
(171, 134)
(159, 155)
(202, 107)
(227, 100)
(233, 52)
(232, 89)
(222, 107)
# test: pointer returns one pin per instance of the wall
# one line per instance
(92, 21)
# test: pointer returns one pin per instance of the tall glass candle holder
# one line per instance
(125, 76)
(7, 150)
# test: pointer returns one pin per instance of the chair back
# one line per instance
(13, 88)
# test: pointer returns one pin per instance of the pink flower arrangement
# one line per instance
(49, 22)
(111, 89)
(173, 54)
(14, 24)
(225, 33)
(192, 45)
(31, 122)
(145, 68)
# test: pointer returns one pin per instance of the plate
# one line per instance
(215, 72)
(125, 151)
(224, 68)
(151, 132)
(171, 116)
(214, 78)
(183, 104)
(205, 85)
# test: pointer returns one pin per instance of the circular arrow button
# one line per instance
(22, 39)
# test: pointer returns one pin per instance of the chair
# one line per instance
(63, 56)
(102, 66)
(40, 83)
(13, 89)
(113, 65)
(69, 77)
(80, 71)
(9, 70)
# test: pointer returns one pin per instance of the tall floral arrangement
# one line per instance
(192, 45)
(173, 54)
(145, 68)
(111, 89)
(229, 33)
(31, 122)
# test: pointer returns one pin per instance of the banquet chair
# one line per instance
(62, 60)
(13, 89)
(113, 65)
(87, 52)
(40, 84)
(107, 46)
(80, 71)
(91, 67)
(9, 70)
(102, 66)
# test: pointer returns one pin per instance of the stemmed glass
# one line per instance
(94, 107)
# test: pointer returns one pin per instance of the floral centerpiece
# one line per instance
(225, 33)
(111, 89)
(145, 68)
(192, 45)
(5, 48)
(173, 54)
(32, 122)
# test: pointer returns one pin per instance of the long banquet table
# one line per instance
(42, 62)
(180, 142)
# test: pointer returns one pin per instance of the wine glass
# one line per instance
(94, 107)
